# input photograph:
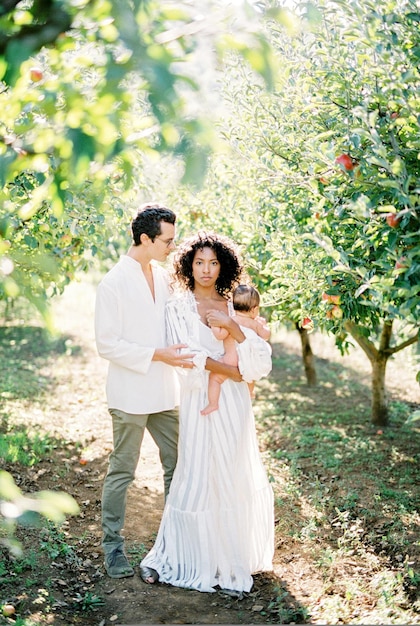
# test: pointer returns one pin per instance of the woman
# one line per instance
(218, 523)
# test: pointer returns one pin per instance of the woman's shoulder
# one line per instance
(182, 308)
(180, 299)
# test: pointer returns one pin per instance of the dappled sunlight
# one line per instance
(402, 366)
(345, 493)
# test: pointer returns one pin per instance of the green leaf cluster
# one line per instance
(89, 92)
(325, 169)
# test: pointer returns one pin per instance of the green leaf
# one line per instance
(414, 17)
(8, 488)
(415, 416)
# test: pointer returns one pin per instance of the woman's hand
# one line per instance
(217, 318)
(220, 319)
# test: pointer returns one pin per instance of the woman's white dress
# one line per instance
(218, 523)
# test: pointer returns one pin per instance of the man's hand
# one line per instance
(172, 356)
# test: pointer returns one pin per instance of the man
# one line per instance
(142, 388)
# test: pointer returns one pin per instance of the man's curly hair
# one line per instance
(227, 254)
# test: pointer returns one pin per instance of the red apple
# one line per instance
(307, 323)
(400, 263)
(392, 220)
(346, 161)
(8, 610)
(36, 74)
(337, 312)
(330, 298)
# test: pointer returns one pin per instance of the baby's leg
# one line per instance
(230, 357)
(215, 382)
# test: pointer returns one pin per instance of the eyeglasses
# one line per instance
(168, 242)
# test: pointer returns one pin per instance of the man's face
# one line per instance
(164, 243)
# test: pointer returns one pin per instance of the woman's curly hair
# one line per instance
(227, 254)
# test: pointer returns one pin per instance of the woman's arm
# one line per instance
(230, 371)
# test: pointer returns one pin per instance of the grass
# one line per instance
(136, 552)
(349, 492)
(26, 446)
(346, 494)
(23, 352)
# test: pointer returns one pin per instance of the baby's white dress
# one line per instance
(217, 527)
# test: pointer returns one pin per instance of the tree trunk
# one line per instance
(379, 399)
(307, 356)
(378, 358)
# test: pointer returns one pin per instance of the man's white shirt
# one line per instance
(129, 326)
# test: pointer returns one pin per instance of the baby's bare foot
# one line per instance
(209, 409)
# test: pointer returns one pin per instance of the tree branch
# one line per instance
(386, 335)
(366, 345)
(403, 345)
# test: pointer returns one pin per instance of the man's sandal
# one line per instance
(148, 575)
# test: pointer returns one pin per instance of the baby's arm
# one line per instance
(258, 324)
(262, 328)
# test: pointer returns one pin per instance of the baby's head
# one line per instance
(246, 299)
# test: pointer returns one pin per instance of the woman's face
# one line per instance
(205, 267)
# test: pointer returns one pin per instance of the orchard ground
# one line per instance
(346, 493)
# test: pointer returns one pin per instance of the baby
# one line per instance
(246, 302)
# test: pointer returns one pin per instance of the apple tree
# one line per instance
(333, 160)
(89, 92)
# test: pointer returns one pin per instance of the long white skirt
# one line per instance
(217, 527)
